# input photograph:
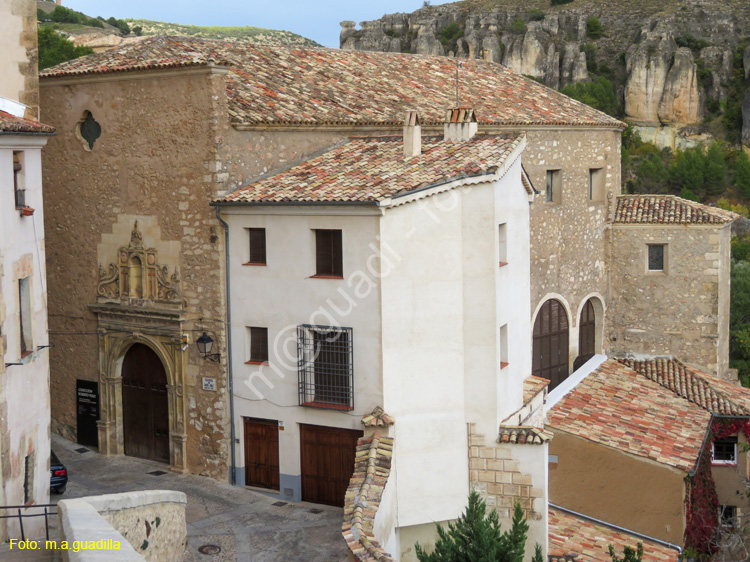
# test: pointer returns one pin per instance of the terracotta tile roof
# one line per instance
(533, 386)
(667, 209)
(523, 435)
(570, 536)
(374, 169)
(293, 85)
(708, 392)
(378, 418)
(372, 466)
(12, 124)
(619, 408)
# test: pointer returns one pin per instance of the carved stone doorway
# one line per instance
(145, 405)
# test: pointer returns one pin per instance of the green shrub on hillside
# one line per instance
(742, 174)
(518, 26)
(536, 15)
(61, 14)
(559, 2)
(54, 49)
(594, 28)
(691, 42)
(450, 33)
(599, 94)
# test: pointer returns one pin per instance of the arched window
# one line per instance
(550, 351)
(586, 334)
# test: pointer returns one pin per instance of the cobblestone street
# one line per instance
(246, 525)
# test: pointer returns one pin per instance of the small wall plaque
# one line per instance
(209, 383)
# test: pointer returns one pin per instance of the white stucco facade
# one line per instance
(24, 380)
(436, 293)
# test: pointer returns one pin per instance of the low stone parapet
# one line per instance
(130, 527)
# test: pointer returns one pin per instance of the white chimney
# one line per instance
(460, 124)
(412, 134)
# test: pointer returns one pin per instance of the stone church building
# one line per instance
(149, 134)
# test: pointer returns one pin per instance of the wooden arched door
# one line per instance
(550, 343)
(145, 406)
(586, 333)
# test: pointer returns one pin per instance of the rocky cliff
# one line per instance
(673, 62)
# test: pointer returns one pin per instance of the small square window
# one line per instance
(257, 345)
(502, 244)
(328, 254)
(257, 243)
(503, 346)
(24, 316)
(554, 186)
(596, 184)
(656, 257)
(724, 451)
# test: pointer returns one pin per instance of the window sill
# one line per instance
(326, 406)
(254, 263)
(723, 463)
(326, 277)
(256, 362)
(503, 263)
(503, 365)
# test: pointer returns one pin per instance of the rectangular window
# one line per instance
(728, 515)
(19, 179)
(656, 257)
(554, 186)
(328, 254)
(503, 346)
(24, 309)
(257, 345)
(502, 244)
(596, 184)
(725, 451)
(325, 361)
(257, 241)
(28, 477)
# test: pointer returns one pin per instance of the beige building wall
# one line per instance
(682, 311)
(632, 492)
(18, 45)
(155, 161)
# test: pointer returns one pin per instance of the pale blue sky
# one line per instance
(318, 21)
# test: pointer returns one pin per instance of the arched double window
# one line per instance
(550, 343)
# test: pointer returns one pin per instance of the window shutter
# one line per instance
(257, 245)
(259, 344)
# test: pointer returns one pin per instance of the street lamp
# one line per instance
(205, 344)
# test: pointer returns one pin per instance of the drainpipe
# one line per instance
(232, 477)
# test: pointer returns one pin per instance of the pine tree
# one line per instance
(742, 177)
(716, 169)
(538, 556)
(476, 537)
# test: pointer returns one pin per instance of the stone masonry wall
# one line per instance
(501, 474)
(676, 312)
(155, 158)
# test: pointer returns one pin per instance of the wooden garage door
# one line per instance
(327, 462)
(550, 351)
(262, 453)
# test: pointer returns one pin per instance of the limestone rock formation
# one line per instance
(670, 63)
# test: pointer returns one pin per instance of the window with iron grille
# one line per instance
(258, 345)
(257, 246)
(18, 179)
(325, 362)
(28, 477)
(328, 253)
(656, 257)
(725, 451)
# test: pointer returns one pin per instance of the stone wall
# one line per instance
(148, 525)
(155, 160)
(18, 65)
(682, 312)
(495, 471)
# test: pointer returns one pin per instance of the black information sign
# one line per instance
(87, 401)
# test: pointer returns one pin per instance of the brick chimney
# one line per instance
(460, 124)
(412, 134)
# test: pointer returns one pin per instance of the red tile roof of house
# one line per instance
(10, 124)
(569, 535)
(293, 85)
(619, 408)
(667, 209)
(710, 393)
(374, 169)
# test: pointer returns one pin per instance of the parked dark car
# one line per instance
(58, 474)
